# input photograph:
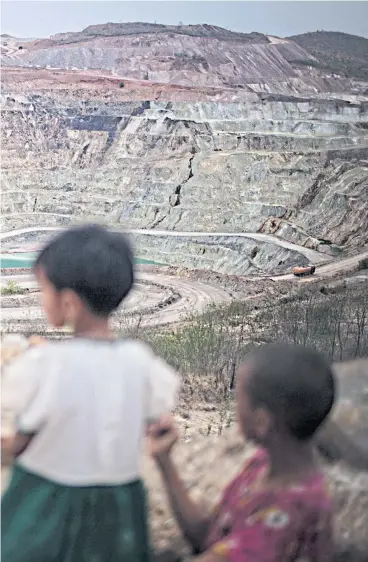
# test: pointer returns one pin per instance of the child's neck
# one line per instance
(94, 328)
(290, 461)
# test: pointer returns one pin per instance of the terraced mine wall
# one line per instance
(294, 169)
(224, 254)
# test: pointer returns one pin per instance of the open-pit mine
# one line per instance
(230, 159)
(237, 154)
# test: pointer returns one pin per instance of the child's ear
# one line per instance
(70, 307)
(262, 423)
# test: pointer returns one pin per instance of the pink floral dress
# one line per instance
(292, 524)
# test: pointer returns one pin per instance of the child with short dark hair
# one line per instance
(82, 407)
(278, 508)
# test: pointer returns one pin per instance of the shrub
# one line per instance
(11, 288)
(334, 323)
(214, 343)
(207, 348)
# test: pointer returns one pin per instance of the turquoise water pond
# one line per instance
(22, 260)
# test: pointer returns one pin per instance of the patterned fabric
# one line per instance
(292, 524)
(46, 522)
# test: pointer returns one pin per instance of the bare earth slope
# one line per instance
(187, 55)
(290, 169)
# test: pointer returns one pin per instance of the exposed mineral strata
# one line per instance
(291, 166)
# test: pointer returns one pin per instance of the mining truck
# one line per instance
(302, 271)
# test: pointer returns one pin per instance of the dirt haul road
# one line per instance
(194, 298)
(328, 270)
(194, 295)
(312, 255)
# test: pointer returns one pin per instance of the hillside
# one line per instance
(138, 28)
(337, 52)
(250, 157)
(229, 157)
(192, 55)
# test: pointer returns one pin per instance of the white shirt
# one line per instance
(88, 403)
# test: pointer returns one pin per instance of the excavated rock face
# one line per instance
(191, 55)
(292, 169)
(256, 139)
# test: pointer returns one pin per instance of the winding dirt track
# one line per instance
(194, 295)
(312, 255)
(328, 270)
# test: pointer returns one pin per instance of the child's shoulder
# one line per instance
(130, 348)
(313, 491)
(257, 463)
(308, 501)
(253, 468)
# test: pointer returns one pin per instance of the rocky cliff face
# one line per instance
(291, 169)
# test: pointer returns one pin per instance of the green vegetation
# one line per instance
(205, 30)
(126, 29)
(363, 264)
(307, 62)
(208, 347)
(11, 288)
(339, 53)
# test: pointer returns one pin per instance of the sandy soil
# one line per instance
(98, 84)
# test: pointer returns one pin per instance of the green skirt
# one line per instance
(47, 522)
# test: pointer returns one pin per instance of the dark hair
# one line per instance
(96, 263)
(294, 383)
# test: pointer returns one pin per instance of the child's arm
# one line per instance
(24, 401)
(21, 442)
(163, 387)
(209, 557)
(193, 522)
(15, 445)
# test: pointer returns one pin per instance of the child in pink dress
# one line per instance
(278, 508)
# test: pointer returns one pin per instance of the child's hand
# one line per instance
(162, 436)
(7, 443)
(14, 345)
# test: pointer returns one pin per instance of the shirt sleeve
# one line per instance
(25, 392)
(163, 387)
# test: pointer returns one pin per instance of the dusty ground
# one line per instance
(158, 297)
(101, 84)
